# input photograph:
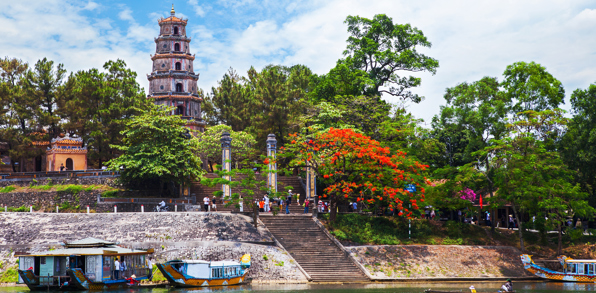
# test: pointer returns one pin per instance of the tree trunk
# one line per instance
(332, 210)
(519, 229)
(560, 246)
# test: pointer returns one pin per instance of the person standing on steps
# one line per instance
(266, 199)
(213, 204)
(288, 202)
(206, 203)
(306, 203)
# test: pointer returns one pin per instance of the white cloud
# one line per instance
(126, 14)
(199, 10)
(471, 39)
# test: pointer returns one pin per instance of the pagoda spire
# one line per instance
(172, 12)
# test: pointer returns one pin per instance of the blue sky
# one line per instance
(471, 39)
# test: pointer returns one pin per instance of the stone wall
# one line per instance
(207, 236)
(47, 200)
(439, 261)
(51, 228)
(90, 180)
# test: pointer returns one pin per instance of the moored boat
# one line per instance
(87, 264)
(200, 273)
(574, 270)
(461, 291)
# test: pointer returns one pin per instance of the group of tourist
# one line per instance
(208, 203)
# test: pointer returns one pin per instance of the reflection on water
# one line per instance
(529, 287)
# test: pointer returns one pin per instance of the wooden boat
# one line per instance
(199, 273)
(574, 270)
(460, 291)
(86, 264)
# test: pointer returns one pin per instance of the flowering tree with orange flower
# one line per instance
(354, 167)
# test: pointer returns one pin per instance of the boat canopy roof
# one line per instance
(102, 249)
(89, 242)
(225, 263)
(581, 260)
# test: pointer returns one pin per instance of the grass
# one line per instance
(157, 275)
(8, 189)
(10, 275)
(362, 229)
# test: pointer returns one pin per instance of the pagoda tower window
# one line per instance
(178, 66)
(179, 87)
(176, 47)
(175, 30)
(180, 110)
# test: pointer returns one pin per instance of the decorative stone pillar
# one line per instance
(226, 161)
(271, 153)
(311, 182)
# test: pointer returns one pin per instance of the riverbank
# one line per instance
(219, 236)
(440, 262)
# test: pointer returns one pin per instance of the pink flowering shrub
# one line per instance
(467, 194)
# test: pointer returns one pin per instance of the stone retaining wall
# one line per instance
(207, 236)
(439, 261)
(47, 200)
(92, 180)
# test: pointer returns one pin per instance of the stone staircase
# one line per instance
(320, 257)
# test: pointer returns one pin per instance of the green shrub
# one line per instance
(65, 206)
(110, 193)
(8, 189)
(20, 209)
(10, 275)
(41, 187)
(69, 189)
(339, 235)
(265, 257)
(449, 241)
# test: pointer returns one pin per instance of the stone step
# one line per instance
(312, 248)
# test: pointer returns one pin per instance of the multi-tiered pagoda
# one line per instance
(173, 81)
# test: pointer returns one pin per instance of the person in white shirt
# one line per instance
(266, 199)
(116, 269)
(206, 203)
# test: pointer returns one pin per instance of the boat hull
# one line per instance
(81, 282)
(548, 274)
(177, 279)
(33, 283)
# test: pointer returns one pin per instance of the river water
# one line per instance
(533, 287)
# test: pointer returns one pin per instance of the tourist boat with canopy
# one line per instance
(574, 270)
(200, 273)
(86, 264)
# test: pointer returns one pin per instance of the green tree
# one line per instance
(18, 113)
(230, 102)
(157, 146)
(578, 146)
(42, 85)
(96, 106)
(279, 99)
(530, 87)
(526, 171)
(247, 188)
(210, 145)
(382, 49)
